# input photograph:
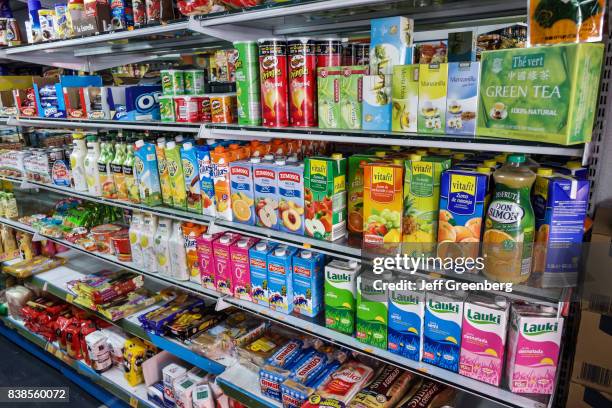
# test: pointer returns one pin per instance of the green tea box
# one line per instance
(351, 96)
(405, 98)
(544, 94)
(328, 97)
(433, 80)
(376, 102)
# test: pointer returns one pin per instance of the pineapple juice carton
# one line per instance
(406, 314)
(308, 282)
(240, 267)
(206, 259)
(223, 271)
(258, 261)
(405, 98)
(432, 98)
(280, 279)
(340, 295)
(266, 194)
(372, 310)
(462, 98)
(242, 190)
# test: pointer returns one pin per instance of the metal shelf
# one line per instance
(104, 124)
(241, 384)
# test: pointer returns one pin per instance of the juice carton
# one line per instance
(206, 259)
(560, 205)
(462, 98)
(242, 191)
(266, 194)
(405, 98)
(462, 206)
(390, 43)
(355, 190)
(241, 275)
(534, 340)
(134, 234)
(406, 314)
(351, 97)
(483, 338)
(422, 199)
(325, 197)
(191, 173)
(162, 246)
(290, 182)
(340, 295)
(280, 279)
(258, 260)
(432, 98)
(146, 173)
(147, 242)
(442, 329)
(328, 97)
(162, 168)
(308, 282)
(191, 231)
(176, 175)
(372, 311)
(178, 256)
(221, 158)
(376, 102)
(382, 202)
(207, 186)
(223, 271)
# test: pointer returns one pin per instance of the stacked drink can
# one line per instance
(183, 98)
(247, 83)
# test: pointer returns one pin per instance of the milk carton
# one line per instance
(266, 194)
(308, 282)
(241, 188)
(290, 182)
(241, 274)
(170, 373)
(206, 259)
(483, 338)
(162, 246)
(149, 185)
(258, 260)
(207, 188)
(340, 295)
(406, 314)
(372, 310)
(223, 272)
(442, 331)
(534, 340)
(432, 98)
(462, 98)
(280, 279)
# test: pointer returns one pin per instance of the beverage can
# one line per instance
(247, 83)
(274, 84)
(166, 108)
(329, 52)
(193, 81)
(302, 82)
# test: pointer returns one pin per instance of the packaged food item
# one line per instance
(241, 274)
(98, 351)
(295, 393)
(193, 80)
(433, 80)
(349, 98)
(376, 102)
(274, 82)
(36, 265)
(431, 52)
(405, 98)
(155, 393)
(92, 173)
(172, 81)
(170, 374)
(247, 83)
(280, 279)
(258, 260)
(355, 53)
(344, 384)
(223, 108)
(242, 190)
(133, 357)
(328, 52)
(260, 350)
(16, 298)
(167, 110)
(406, 315)
(191, 323)
(202, 396)
(146, 173)
(429, 394)
(302, 76)
(385, 390)
(340, 295)
(187, 109)
(390, 43)
(328, 97)
(102, 235)
(462, 97)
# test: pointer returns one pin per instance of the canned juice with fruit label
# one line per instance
(274, 84)
(247, 83)
(329, 52)
(302, 82)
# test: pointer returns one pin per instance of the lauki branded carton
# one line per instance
(340, 295)
(432, 98)
(372, 311)
(242, 190)
(534, 341)
(442, 329)
(462, 98)
(146, 173)
(376, 102)
(483, 338)
(308, 282)
(325, 197)
(240, 267)
(390, 43)
(191, 173)
(223, 271)
(207, 188)
(206, 259)
(266, 194)
(405, 98)
(290, 183)
(258, 260)
(406, 315)
(382, 202)
(280, 279)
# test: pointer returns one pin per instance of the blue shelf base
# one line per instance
(187, 355)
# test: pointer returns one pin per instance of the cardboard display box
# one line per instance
(592, 359)
(580, 396)
(597, 286)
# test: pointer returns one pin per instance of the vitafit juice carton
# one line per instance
(242, 190)
(534, 340)
(258, 259)
(223, 272)
(266, 193)
(483, 338)
(240, 266)
(290, 182)
(280, 279)
(206, 259)
(308, 282)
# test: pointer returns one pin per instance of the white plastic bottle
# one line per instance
(162, 246)
(134, 233)
(77, 162)
(92, 173)
(178, 256)
(147, 242)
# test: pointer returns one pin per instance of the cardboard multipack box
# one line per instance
(596, 295)
(592, 358)
(142, 102)
(114, 97)
(74, 100)
(96, 103)
(8, 106)
(580, 396)
(93, 18)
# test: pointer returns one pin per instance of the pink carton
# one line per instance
(483, 338)
(534, 341)
(223, 272)
(241, 273)
(206, 259)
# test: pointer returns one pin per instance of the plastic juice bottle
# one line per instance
(147, 242)
(134, 234)
(510, 223)
(191, 231)
(117, 168)
(77, 162)
(176, 176)
(129, 173)
(162, 246)
(92, 172)
(107, 154)
(178, 256)
(162, 167)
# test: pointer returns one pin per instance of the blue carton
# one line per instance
(258, 261)
(308, 282)
(280, 279)
(207, 188)
(405, 331)
(391, 41)
(142, 102)
(376, 108)
(462, 98)
(442, 330)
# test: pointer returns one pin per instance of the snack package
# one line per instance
(36, 265)
(157, 320)
(429, 394)
(294, 393)
(385, 390)
(258, 351)
(344, 384)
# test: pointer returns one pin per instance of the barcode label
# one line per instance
(600, 303)
(595, 374)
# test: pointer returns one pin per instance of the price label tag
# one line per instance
(69, 298)
(204, 132)
(423, 369)
(45, 286)
(221, 304)
(133, 402)
(50, 347)
(368, 350)
(59, 354)
(307, 245)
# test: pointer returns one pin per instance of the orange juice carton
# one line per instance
(280, 279)
(560, 204)
(258, 260)
(259, 149)
(207, 186)
(223, 271)
(191, 231)
(221, 158)
(325, 197)
(206, 259)
(266, 194)
(240, 266)
(534, 341)
(242, 191)
(383, 202)
(308, 282)
(290, 182)
(355, 190)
